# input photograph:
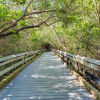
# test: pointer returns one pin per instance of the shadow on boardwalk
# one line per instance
(45, 79)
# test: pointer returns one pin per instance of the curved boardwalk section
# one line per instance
(44, 79)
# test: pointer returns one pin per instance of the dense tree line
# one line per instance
(69, 25)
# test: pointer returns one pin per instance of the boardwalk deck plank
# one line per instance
(45, 79)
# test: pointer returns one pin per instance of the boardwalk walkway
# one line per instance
(44, 79)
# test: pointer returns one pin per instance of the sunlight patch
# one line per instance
(10, 95)
(38, 76)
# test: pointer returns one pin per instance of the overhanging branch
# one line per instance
(15, 23)
(26, 27)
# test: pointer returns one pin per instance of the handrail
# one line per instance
(13, 61)
(92, 63)
(86, 67)
(17, 55)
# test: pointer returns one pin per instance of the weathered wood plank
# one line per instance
(13, 66)
(18, 55)
(45, 79)
(10, 60)
(12, 75)
(92, 63)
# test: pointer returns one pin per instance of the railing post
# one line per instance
(24, 58)
(67, 61)
(86, 67)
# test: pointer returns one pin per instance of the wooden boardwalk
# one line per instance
(45, 79)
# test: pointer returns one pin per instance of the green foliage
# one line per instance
(3, 11)
(34, 37)
(78, 29)
(20, 1)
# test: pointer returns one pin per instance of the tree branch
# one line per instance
(5, 24)
(52, 22)
(15, 23)
(26, 27)
(39, 12)
(27, 7)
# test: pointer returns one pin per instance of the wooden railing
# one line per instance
(86, 67)
(10, 63)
